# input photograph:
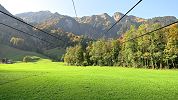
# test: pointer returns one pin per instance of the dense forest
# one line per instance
(155, 50)
(63, 32)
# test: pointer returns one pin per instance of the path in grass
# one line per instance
(55, 81)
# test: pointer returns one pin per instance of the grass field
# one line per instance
(55, 53)
(16, 54)
(45, 80)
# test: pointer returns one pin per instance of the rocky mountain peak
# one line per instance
(105, 15)
(38, 17)
(117, 15)
(89, 25)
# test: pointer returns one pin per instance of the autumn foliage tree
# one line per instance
(158, 49)
(171, 47)
(74, 55)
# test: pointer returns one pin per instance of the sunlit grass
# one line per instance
(48, 80)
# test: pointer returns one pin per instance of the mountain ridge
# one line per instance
(70, 30)
(19, 40)
(91, 26)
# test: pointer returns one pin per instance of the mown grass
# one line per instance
(16, 54)
(55, 53)
(46, 80)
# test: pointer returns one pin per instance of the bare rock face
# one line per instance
(117, 16)
(94, 26)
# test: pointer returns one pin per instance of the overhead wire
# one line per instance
(74, 8)
(20, 20)
(151, 32)
(123, 16)
(75, 11)
(28, 34)
(79, 26)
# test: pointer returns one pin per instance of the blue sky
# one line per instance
(146, 9)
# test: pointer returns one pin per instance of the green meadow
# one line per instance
(46, 80)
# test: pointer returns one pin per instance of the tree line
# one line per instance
(156, 50)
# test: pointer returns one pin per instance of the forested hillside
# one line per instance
(155, 50)
(69, 31)
(93, 26)
(20, 40)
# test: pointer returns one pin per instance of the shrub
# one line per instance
(30, 59)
